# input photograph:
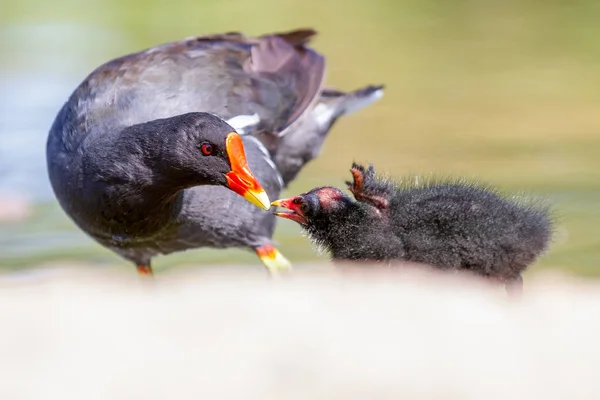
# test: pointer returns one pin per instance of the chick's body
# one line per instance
(449, 225)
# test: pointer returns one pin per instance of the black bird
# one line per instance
(451, 225)
(133, 151)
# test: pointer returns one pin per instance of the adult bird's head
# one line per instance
(201, 149)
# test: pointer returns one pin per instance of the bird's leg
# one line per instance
(514, 287)
(144, 269)
(273, 260)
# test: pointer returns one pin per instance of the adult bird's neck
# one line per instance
(130, 183)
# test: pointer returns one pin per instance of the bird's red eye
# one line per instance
(206, 149)
(297, 200)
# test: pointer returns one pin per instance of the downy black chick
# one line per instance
(451, 225)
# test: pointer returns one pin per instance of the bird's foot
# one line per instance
(144, 270)
(273, 260)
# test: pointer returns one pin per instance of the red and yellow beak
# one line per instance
(294, 206)
(240, 179)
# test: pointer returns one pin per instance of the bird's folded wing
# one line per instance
(368, 189)
(228, 75)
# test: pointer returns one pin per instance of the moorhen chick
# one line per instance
(131, 153)
(449, 225)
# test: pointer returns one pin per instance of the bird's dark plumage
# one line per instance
(124, 152)
(449, 225)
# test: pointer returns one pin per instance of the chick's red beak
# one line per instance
(240, 179)
(293, 205)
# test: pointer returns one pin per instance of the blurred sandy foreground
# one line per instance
(231, 333)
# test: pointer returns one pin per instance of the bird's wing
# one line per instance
(275, 76)
(368, 189)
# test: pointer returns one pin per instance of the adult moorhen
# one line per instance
(448, 225)
(130, 154)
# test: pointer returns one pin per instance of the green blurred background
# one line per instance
(507, 92)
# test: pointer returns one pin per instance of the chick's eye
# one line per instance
(297, 200)
(206, 149)
(304, 208)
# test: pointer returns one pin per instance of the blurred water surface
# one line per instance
(505, 92)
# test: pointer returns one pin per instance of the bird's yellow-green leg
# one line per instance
(273, 259)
